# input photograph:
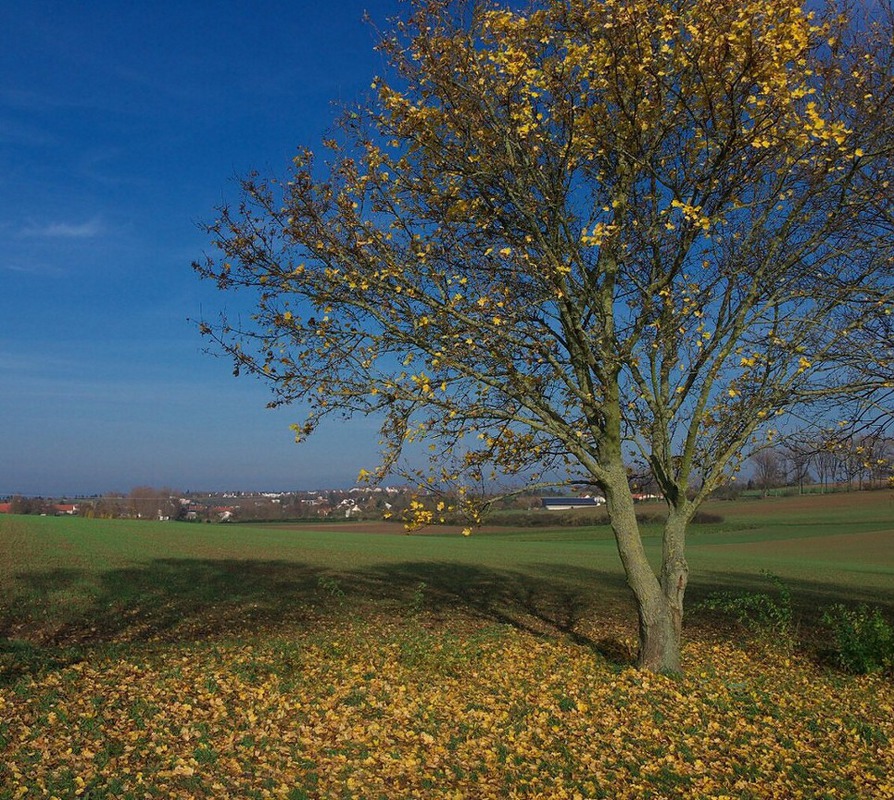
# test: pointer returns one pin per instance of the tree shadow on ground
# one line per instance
(545, 600)
(58, 613)
(166, 599)
(192, 600)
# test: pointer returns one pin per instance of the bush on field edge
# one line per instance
(863, 639)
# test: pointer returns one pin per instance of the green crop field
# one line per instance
(142, 659)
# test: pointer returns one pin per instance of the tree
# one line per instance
(578, 234)
(147, 502)
(769, 470)
(28, 505)
(866, 458)
(826, 463)
(799, 457)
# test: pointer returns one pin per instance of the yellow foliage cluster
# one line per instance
(706, 48)
(383, 711)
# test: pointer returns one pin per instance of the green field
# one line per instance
(143, 659)
(62, 577)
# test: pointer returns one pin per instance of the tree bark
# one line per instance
(659, 635)
(674, 578)
(659, 601)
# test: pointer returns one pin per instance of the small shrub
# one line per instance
(332, 587)
(707, 518)
(864, 639)
(417, 601)
(760, 612)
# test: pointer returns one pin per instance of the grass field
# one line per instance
(184, 660)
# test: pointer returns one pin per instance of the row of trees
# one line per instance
(142, 502)
(19, 504)
(829, 459)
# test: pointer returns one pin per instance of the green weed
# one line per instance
(864, 639)
(770, 616)
(331, 587)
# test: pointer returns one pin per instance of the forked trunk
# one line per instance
(659, 601)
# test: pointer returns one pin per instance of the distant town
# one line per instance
(773, 473)
(168, 504)
(357, 503)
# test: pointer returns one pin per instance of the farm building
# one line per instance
(568, 503)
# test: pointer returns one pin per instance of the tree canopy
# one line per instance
(564, 236)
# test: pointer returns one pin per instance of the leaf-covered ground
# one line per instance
(379, 707)
(142, 660)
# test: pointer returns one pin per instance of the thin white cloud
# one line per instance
(64, 230)
(30, 269)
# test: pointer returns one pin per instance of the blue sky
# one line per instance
(122, 125)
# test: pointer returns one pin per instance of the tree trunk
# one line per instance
(674, 578)
(659, 601)
(659, 639)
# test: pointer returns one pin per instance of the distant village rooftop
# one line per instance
(568, 503)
